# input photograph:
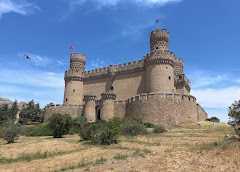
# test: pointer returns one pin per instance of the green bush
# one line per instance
(159, 129)
(77, 123)
(133, 127)
(102, 133)
(60, 124)
(11, 132)
(38, 130)
(149, 125)
(213, 119)
(115, 125)
(85, 131)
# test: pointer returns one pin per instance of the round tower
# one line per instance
(107, 111)
(73, 94)
(90, 108)
(159, 64)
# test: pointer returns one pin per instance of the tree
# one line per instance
(13, 110)
(60, 124)
(31, 112)
(4, 113)
(11, 132)
(8, 112)
(213, 119)
(234, 113)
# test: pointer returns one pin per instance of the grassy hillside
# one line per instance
(200, 147)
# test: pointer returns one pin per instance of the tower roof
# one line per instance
(160, 34)
(77, 57)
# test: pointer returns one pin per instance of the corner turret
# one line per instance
(159, 64)
(73, 94)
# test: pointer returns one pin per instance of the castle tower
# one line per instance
(159, 64)
(73, 94)
(107, 111)
(90, 108)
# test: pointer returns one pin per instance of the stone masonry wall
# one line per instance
(125, 85)
(74, 111)
(165, 109)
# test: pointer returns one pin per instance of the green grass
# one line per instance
(34, 156)
(120, 156)
(100, 161)
(83, 163)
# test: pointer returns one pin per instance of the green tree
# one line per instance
(31, 112)
(11, 131)
(4, 113)
(234, 113)
(60, 124)
(13, 110)
(8, 112)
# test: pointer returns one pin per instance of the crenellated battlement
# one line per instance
(174, 97)
(88, 98)
(119, 68)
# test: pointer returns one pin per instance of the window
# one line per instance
(66, 100)
(169, 77)
(74, 90)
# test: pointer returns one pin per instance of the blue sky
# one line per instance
(204, 33)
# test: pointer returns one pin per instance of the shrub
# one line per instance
(132, 127)
(85, 131)
(102, 133)
(234, 113)
(115, 125)
(11, 132)
(159, 129)
(38, 130)
(60, 124)
(149, 125)
(213, 119)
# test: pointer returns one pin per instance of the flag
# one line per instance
(71, 48)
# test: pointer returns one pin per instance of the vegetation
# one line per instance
(234, 113)
(42, 129)
(101, 133)
(11, 132)
(133, 127)
(31, 113)
(60, 124)
(213, 119)
(8, 113)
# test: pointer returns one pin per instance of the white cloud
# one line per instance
(24, 85)
(217, 97)
(104, 3)
(21, 7)
(215, 91)
(31, 78)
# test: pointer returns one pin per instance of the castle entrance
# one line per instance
(98, 113)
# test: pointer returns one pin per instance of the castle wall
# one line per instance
(74, 111)
(164, 109)
(120, 109)
(125, 85)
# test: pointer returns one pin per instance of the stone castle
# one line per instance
(154, 88)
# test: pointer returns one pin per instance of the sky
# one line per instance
(204, 33)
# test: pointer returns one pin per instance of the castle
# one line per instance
(154, 88)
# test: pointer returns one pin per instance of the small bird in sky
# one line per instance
(27, 57)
